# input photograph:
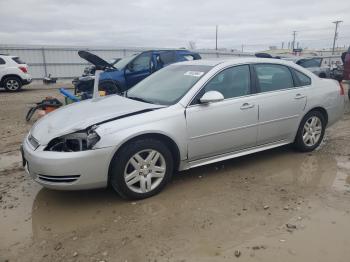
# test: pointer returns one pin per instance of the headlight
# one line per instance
(78, 141)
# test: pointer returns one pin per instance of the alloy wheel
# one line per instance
(312, 131)
(145, 171)
(12, 85)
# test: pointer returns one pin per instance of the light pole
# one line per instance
(335, 34)
(293, 43)
(216, 37)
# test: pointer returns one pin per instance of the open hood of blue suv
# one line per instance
(95, 60)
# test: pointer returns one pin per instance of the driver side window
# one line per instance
(142, 62)
(231, 82)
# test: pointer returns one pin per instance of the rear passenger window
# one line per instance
(302, 79)
(273, 77)
(2, 61)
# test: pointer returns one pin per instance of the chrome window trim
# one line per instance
(222, 69)
(253, 94)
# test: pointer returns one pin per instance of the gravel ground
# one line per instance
(277, 205)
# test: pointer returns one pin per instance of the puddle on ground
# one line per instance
(216, 192)
(322, 236)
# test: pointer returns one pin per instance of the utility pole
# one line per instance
(293, 43)
(335, 33)
(282, 45)
(216, 37)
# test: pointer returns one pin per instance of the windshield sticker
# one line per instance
(194, 73)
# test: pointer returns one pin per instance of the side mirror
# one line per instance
(130, 67)
(211, 96)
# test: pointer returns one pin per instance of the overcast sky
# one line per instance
(256, 24)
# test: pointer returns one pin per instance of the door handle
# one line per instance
(299, 96)
(247, 106)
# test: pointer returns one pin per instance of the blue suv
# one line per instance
(130, 70)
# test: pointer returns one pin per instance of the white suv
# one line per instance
(13, 73)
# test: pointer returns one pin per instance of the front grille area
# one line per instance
(35, 144)
(59, 179)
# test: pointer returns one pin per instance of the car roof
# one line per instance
(235, 61)
(7, 55)
(294, 59)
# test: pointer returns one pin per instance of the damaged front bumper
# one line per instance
(67, 170)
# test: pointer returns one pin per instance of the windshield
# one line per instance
(123, 62)
(168, 85)
(114, 61)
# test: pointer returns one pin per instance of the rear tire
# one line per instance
(12, 83)
(311, 131)
(141, 169)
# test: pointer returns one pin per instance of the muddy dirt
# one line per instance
(277, 205)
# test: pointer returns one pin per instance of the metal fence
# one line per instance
(64, 62)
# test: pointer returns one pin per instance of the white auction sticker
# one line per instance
(194, 73)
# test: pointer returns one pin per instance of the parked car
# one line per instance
(346, 67)
(183, 116)
(13, 73)
(337, 72)
(314, 64)
(346, 64)
(130, 70)
(90, 70)
(89, 73)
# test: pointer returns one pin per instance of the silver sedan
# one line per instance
(186, 115)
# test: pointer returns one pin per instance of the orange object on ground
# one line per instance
(49, 109)
(46, 106)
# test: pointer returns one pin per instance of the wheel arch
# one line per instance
(10, 75)
(322, 110)
(116, 83)
(174, 149)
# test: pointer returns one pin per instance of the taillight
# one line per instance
(23, 69)
(342, 91)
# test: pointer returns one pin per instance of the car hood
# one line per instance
(111, 74)
(79, 116)
(97, 61)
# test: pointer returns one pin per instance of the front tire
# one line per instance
(311, 131)
(109, 87)
(12, 83)
(141, 169)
